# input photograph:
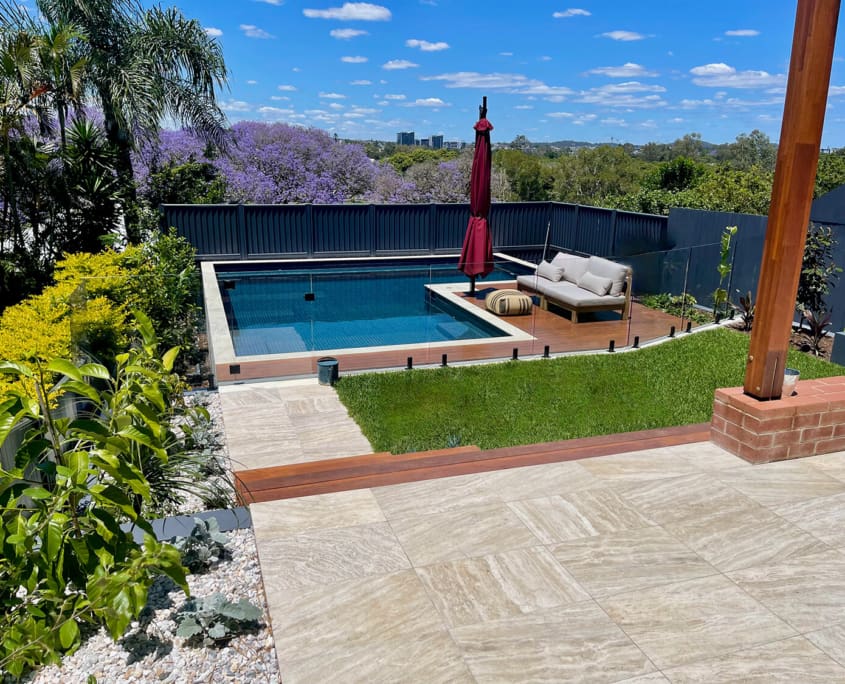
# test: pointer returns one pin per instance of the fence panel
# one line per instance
(274, 231)
(342, 229)
(595, 231)
(638, 233)
(517, 224)
(451, 226)
(403, 228)
(564, 231)
(212, 229)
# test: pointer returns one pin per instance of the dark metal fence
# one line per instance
(253, 231)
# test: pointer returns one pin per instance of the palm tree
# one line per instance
(144, 65)
(63, 68)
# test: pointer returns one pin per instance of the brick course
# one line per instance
(810, 422)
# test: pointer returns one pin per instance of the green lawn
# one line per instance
(524, 402)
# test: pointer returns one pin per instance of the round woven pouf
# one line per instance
(508, 303)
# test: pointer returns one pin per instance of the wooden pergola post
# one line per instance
(792, 195)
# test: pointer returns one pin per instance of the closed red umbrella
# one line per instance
(477, 252)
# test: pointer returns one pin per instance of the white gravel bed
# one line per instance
(150, 651)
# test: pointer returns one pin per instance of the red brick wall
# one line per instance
(812, 421)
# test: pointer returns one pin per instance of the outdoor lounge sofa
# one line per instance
(581, 284)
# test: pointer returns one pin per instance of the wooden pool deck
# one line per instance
(550, 328)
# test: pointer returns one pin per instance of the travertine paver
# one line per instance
(665, 565)
(287, 421)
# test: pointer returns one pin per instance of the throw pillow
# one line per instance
(550, 272)
(595, 284)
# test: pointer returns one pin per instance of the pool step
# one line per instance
(379, 469)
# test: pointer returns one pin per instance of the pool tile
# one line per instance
(462, 533)
(629, 560)
(572, 643)
(787, 661)
(499, 586)
(640, 465)
(437, 496)
(578, 514)
(688, 621)
(831, 640)
(772, 484)
(823, 517)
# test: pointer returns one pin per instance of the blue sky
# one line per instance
(634, 71)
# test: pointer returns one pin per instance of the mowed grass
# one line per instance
(524, 402)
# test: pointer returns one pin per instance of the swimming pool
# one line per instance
(287, 308)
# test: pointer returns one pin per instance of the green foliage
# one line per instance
(406, 157)
(720, 294)
(682, 306)
(818, 271)
(65, 560)
(541, 401)
(749, 151)
(204, 546)
(592, 175)
(530, 178)
(676, 175)
(214, 620)
(190, 182)
(830, 173)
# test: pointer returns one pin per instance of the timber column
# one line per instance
(792, 195)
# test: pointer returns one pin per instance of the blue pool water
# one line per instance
(272, 312)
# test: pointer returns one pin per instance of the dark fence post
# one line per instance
(371, 218)
(309, 214)
(577, 236)
(432, 228)
(243, 247)
(612, 251)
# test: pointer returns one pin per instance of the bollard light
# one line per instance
(672, 331)
(546, 352)
(612, 346)
(443, 361)
(410, 365)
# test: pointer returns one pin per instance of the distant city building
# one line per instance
(451, 145)
(405, 138)
(437, 142)
(423, 142)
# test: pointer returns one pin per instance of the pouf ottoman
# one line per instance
(508, 303)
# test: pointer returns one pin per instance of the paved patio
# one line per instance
(678, 564)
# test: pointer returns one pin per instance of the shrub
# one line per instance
(65, 559)
(682, 306)
(215, 620)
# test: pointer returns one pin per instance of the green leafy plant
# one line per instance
(204, 546)
(746, 308)
(64, 559)
(214, 619)
(682, 306)
(818, 323)
(720, 294)
(818, 271)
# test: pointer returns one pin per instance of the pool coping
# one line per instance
(221, 350)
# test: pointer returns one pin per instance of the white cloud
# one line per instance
(834, 91)
(426, 46)
(622, 95)
(271, 2)
(627, 70)
(336, 105)
(427, 102)
(721, 75)
(251, 31)
(394, 97)
(365, 110)
(353, 115)
(398, 64)
(629, 87)
(383, 103)
(271, 111)
(623, 35)
(512, 83)
(743, 33)
(296, 69)
(361, 82)
(347, 33)
(332, 96)
(545, 58)
(613, 121)
(213, 32)
(573, 12)
(357, 59)
(286, 88)
(252, 82)
(676, 120)
(561, 115)
(506, 54)
(279, 98)
(235, 106)
(351, 11)
(524, 107)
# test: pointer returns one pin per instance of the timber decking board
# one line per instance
(375, 470)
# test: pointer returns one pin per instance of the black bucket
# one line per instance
(327, 370)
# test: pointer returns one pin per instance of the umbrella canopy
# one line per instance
(477, 253)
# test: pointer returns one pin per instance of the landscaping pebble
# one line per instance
(150, 651)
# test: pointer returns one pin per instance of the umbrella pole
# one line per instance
(472, 285)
